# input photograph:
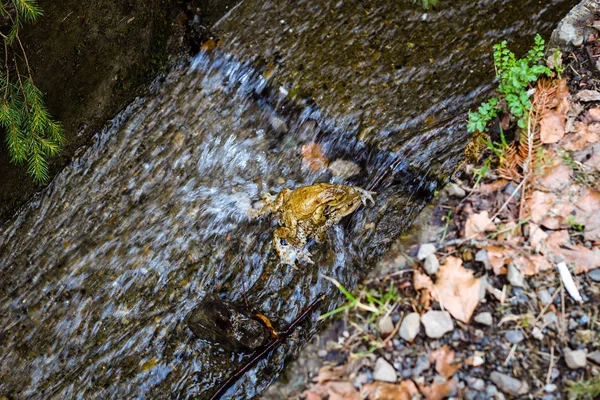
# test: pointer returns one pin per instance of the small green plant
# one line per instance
(585, 389)
(428, 4)
(31, 134)
(514, 77)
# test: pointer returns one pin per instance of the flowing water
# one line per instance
(100, 269)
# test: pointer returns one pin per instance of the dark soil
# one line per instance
(91, 58)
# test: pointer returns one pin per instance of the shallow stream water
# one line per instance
(100, 270)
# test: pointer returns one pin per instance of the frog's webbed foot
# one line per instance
(265, 206)
(289, 254)
(365, 195)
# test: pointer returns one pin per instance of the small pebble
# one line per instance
(425, 250)
(454, 190)
(322, 353)
(584, 320)
(550, 320)
(385, 325)
(594, 275)
(537, 333)
(437, 323)
(576, 359)
(478, 384)
(573, 324)
(431, 265)
(410, 326)
(384, 371)
(515, 277)
(508, 384)
(484, 318)
(514, 336)
(544, 296)
(594, 357)
(550, 388)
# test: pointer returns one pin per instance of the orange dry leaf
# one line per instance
(477, 224)
(313, 157)
(553, 122)
(443, 358)
(497, 256)
(438, 391)
(555, 178)
(531, 264)
(584, 135)
(457, 289)
(336, 391)
(587, 214)
(493, 187)
(584, 259)
(424, 283)
(405, 390)
(330, 373)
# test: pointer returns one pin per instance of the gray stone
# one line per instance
(431, 265)
(423, 364)
(550, 388)
(344, 168)
(508, 384)
(594, 275)
(537, 333)
(576, 359)
(454, 190)
(384, 371)
(482, 257)
(410, 326)
(594, 357)
(278, 125)
(515, 277)
(572, 29)
(425, 250)
(484, 318)
(437, 323)
(544, 296)
(478, 384)
(550, 319)
(514, 336)
(385, 325)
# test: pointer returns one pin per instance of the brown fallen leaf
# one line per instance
(583, 135)
(594, 114)
(336, 391)
(536, 235)
(438, 391)
(330, 373)
(560, 248)
(552, 126)
(587, 214)
(313, 157)
(423, 283)
(405, 390)
(531, 264)
(555, 178)
(477, 224)
(310, 395)
(588, 95)
(457, 289)
(492, 187)
(538, 205)
(497, 256)
(443, 358)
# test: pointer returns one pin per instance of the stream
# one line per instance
(100, 270)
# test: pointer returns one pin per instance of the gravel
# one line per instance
(484, 318)
(454, 190)
(576, 359)
(508, 384)
(437, 323)
(594, 275)
(384, 371)
(544, 296)
(515, 277)
(594, 357)
(385, 325)
(410, 326)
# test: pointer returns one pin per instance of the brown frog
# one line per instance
(308, 211)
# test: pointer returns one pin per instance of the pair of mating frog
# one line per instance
(307, 212)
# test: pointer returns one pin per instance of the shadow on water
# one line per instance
(100, 270)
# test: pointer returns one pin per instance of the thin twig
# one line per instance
(25, 57)
(550, 365)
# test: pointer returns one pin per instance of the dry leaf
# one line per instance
(552, 126)
(583, 135)
(424, 283)
(405, 390)
(313, 157)
(497, 257)
(438, 391)
(443, 358)
(584, 259)
(492, 187)
(539, 205)
(594, 114)
(477, 224)
(330, 373)
(531, 264)
(457, 289)
(588, 95)
(310, 395)
(587, 214)
(555, 178)
(536, 235)
(337, 391)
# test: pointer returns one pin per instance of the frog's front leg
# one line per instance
(270, 203)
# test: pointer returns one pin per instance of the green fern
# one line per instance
(31, 134)
(514, 76)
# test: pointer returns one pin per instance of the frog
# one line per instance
(308, 212)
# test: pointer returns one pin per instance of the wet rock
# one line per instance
(431, 265)
(576, 359)
(484, 318)
(454, 190)
(544, 296)
(425, 250)
(344, 168)
(384, 371)
(508, 384)
(594, 357)
(220, 322)
(278, 125)
(410, 326)
(515, 277)
(594, 275)
(514, 336)
(437, 323)
(385, 325)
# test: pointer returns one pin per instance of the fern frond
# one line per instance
(14, 30)
(37, 163)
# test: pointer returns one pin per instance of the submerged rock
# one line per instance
(227, 325)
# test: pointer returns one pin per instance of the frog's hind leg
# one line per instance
(365, 195)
